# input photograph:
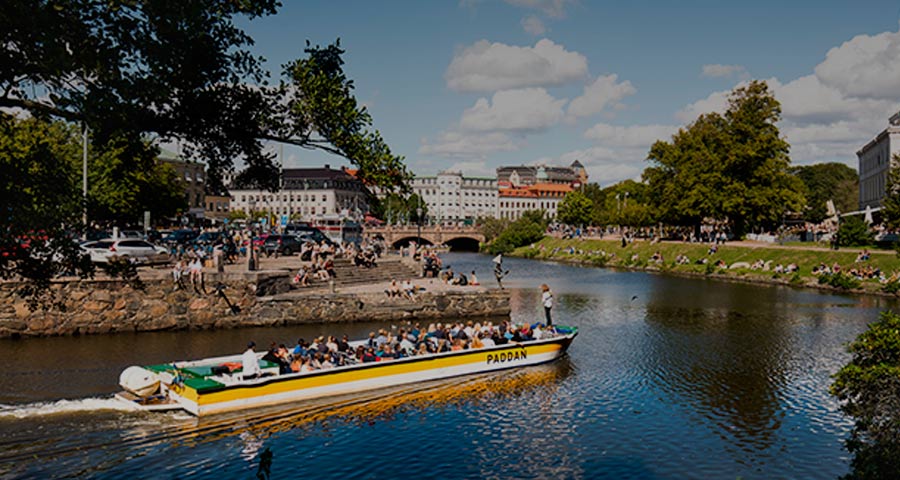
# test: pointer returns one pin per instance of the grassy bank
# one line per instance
(638, 256)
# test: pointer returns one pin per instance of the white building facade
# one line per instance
(307, 194)
(874, 163)
(452, 198)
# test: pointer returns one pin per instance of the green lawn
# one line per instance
(590, 252)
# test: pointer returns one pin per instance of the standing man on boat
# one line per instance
(547, 300)
(250, 362)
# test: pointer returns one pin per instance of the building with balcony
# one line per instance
(306, 194)
(452, 198)
(513, 202)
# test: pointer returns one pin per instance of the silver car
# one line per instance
(139, 251)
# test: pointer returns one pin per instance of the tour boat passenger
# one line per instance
(250, 365)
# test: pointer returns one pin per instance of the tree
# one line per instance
(828, 181)
(530, 228)
(890, 206)
(119, 194)
(491, 228)
(575, 209)
(732, 166)
(869, 389)
(130, 72)
(396, 208)
(38, 200)
(854, 232)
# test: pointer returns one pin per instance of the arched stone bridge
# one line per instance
(457, 238)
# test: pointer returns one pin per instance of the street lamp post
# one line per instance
(418, 225)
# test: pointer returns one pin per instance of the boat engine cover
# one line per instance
(139, 381)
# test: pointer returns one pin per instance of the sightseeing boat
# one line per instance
(208, 386)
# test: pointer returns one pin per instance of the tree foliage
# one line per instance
(491, 228)
(732, 166)
(37, 201)
(854, 232)
(397, 208)
(828, 181)
(174, 70)
(869, 389)
(575, 209)
(530, 228)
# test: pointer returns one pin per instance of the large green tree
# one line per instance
(178, 70)
(828, 181)
(37, 190)
(119, 194)
(869, 390)
(732, 166)
(575, 209)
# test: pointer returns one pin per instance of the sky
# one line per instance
(470, 85)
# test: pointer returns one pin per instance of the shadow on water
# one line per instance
(162, 435)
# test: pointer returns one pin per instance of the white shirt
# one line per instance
(547, 298)
(250, 363)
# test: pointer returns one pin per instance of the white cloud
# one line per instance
(467, 144)
(551, 8)
(473, 169)
(719, 70)
(533, 25)
(715, 102)
(603, 92)
(522, 110)
(632, 136)
(486, 66)
(865, 66)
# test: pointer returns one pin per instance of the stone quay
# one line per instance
(86, 307)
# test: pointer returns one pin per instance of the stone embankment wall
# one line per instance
(95, 307)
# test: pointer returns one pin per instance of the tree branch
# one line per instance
(33, 106)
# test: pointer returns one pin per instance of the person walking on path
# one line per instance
(547, 300)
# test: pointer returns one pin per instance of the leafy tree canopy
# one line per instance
(854, 232)
(530, 228)
(575, 209)
(732, 166)
(828, 181)
(397, 208)
(172, 70)
(869, 389)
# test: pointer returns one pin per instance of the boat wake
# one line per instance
(40, 409)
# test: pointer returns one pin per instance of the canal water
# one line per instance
(669, 378)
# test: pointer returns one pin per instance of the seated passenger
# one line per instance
(250, 364)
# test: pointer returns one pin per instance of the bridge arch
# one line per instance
(406, 241)
(463, 244)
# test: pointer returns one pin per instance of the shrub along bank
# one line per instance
(639, 256)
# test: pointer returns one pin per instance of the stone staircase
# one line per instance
(349, 275)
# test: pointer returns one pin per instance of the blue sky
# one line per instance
(470, 85)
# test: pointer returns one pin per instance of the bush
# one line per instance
(528, 229)
(891, 287)
(854, 232)
(868, 388)
(839, 280)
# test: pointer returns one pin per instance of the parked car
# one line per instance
(282, 245)
(310, 232)
(210, 238)
(180, 237)
(102, 251)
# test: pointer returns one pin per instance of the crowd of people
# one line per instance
(325, 352)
